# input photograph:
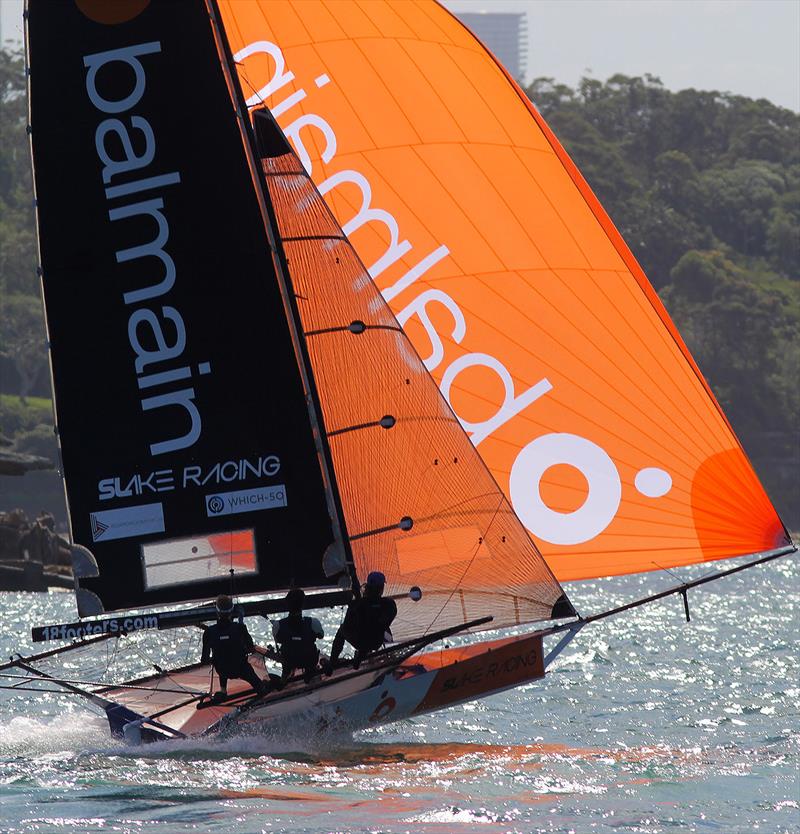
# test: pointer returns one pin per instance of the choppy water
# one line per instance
(646, 724)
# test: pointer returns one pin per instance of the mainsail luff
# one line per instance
(420, 505)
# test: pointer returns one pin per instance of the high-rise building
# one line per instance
(505, 34)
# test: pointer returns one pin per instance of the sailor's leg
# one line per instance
(311, 667)
(222, 692)
(248, 673)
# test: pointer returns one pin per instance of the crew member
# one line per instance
(227, 645)
(366, 625)
(297, 637)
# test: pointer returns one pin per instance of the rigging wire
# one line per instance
(98, 684)
(18, 688)
(671, 573)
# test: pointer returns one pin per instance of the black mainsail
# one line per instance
(186, 441)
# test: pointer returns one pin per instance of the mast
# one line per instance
(290, 303)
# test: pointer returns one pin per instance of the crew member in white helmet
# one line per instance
(227, 644)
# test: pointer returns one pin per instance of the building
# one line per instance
(505, 34)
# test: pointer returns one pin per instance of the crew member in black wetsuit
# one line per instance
(227, 645)
(297, 637)
(366, 625)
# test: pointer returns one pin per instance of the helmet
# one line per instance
(295, 599)
(224, 605)
(376, 580)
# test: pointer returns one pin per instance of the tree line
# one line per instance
(704, 186)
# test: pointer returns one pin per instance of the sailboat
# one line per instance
(261, 382)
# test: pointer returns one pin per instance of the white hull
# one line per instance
(348, 702)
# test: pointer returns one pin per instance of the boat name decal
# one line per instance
(156, 334)
(166, 480)
(492, 670)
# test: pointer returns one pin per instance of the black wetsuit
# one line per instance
(227, 644)
(365, 625)
(297, 640)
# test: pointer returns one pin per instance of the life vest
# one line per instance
(230, 644)
(369, 622)
(298, 643)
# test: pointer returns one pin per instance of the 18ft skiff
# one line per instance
(243, 406)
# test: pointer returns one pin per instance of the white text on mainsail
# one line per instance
(193, 475)
(156, 334)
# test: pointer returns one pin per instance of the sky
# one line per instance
(747, 47)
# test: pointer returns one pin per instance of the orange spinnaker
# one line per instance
(528, 308)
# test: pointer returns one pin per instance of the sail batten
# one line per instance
(527, 307)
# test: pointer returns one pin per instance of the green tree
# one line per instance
(676, 181)
(739, 202)
(22, 339)
(605, 168)
(659, 235)
(783, 242)
(17, 238)
(737, 332)
(549, 96)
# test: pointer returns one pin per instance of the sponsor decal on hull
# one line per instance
(512, 664)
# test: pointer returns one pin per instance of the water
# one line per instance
(646, 724)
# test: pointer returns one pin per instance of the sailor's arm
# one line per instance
(276, 630)
(247, 640)
(389, 612)
(338, 644)
(205, 657)
(344, 628)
